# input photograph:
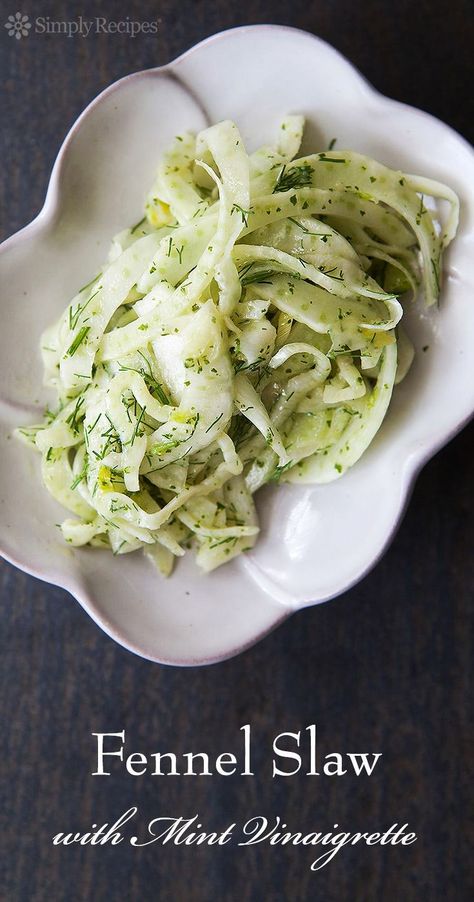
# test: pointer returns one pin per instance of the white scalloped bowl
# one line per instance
(316, 541)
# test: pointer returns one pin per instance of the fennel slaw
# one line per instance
(246, 331)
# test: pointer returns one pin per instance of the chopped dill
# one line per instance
(80, 337)
(244, 213)
(323, 158)
(248, 275)
(137, 225)
(294, 177)
(277, 473)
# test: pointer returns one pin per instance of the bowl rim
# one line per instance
(412, 466)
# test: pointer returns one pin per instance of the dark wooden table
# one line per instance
(385, 668)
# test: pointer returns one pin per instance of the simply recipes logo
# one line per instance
(19, 25)
(291, 753)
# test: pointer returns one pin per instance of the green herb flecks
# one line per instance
(330, 273)
(90, 283)
(248, 275)
(278, 471)
(154, 387)
(294, 177)
(244, 213)
(74, 314)
(74, 418)
(137, 225)
(82, 475)
(421, 210)
(214, 422)
(137, 431)
(322, 236)
(323, 158)
(80, 337)
(435, 268)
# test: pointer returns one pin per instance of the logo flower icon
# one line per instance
(18, 26)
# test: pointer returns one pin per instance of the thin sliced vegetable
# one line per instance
(245, 331)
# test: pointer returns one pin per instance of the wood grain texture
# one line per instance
(387, 667)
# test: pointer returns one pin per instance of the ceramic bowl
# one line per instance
(316, 541)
